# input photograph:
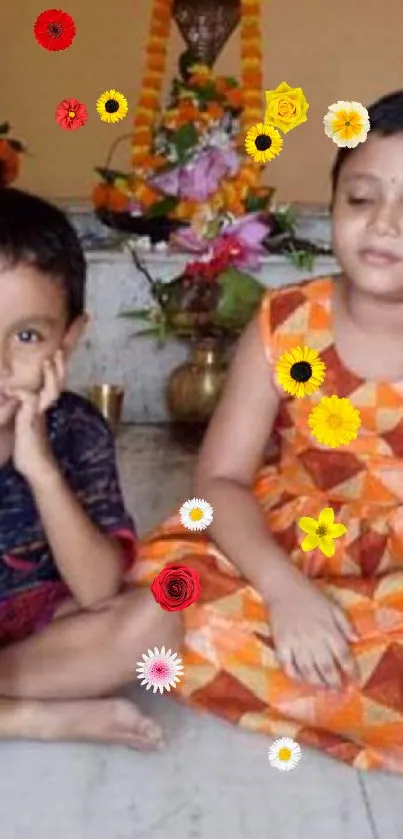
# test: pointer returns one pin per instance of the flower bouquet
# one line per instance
(216, 295)
(10, 151)
(196, 158)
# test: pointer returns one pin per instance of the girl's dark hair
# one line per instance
(385, 117)
(34, 232)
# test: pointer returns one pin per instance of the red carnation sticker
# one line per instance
(54, 30)
(176, 587)
(71, 114)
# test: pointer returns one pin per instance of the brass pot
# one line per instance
(193, 388)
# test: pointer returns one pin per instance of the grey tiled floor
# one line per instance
(213, 781)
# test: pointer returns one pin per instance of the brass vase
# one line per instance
(193, 389)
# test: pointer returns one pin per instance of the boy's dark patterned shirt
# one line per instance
(85, 451)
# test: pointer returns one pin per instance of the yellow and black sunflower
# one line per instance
(301, 371)
(263, 142)
(112, 106)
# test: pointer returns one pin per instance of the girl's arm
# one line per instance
(311, 633)
(230, 457)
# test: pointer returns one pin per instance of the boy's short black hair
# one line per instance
(386, 119)
(34, 232)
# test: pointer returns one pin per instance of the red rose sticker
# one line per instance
(176, 587)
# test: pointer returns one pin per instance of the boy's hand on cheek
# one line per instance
(33, 456)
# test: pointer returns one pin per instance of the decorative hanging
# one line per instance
(206, 25)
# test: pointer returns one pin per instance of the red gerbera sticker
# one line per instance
(71, 114)
(54, 30)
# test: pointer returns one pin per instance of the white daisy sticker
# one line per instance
(196, 514)
(160, 670)
(284, 754)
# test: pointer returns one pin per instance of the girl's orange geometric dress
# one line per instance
(230, 664)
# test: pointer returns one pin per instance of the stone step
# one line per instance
(313, 223)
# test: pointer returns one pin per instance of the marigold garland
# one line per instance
(153, 77)
(251, 63)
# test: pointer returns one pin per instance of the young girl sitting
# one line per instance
(303, 641)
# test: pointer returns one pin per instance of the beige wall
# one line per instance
(350, 49)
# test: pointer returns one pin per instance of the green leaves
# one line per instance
(185, 139)
(303, 260)
(136, 314)
(110, 175)
(4, 128)
(286, 219)
(257, 203)
(241, 295)
(163, 207)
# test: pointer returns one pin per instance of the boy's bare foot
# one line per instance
(113, 721)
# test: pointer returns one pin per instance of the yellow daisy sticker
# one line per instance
(321, 533)
(347, 124)
(334, 421)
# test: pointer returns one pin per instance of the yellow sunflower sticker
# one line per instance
(112, 106)
(263, 142)
(300, 371)
(321, 533)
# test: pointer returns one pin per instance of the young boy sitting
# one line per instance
(69, 631)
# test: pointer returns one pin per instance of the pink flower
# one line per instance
(199, 179)
(240, 243)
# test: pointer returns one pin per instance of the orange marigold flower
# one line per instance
(250, 64)
(156, 62)
(106, 196)
(252, 78)
(214, 110)
(157, 42)
(9, 163)
(148, 100)
(148, 112)
(235, 97)
(251, 9)
(158, 29)
(146, 195)
(221, 85)
(152, 82)
(250, 28)
(251, 50)
(153, 49)
(142, 120)
(187, 113)
(162, 11)
(185, 210)
(142, 137)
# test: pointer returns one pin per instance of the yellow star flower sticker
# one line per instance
(321, 533)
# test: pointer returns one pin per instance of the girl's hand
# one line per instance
(311, 636)
(32, 452)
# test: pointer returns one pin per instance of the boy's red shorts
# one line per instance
(30, 611)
